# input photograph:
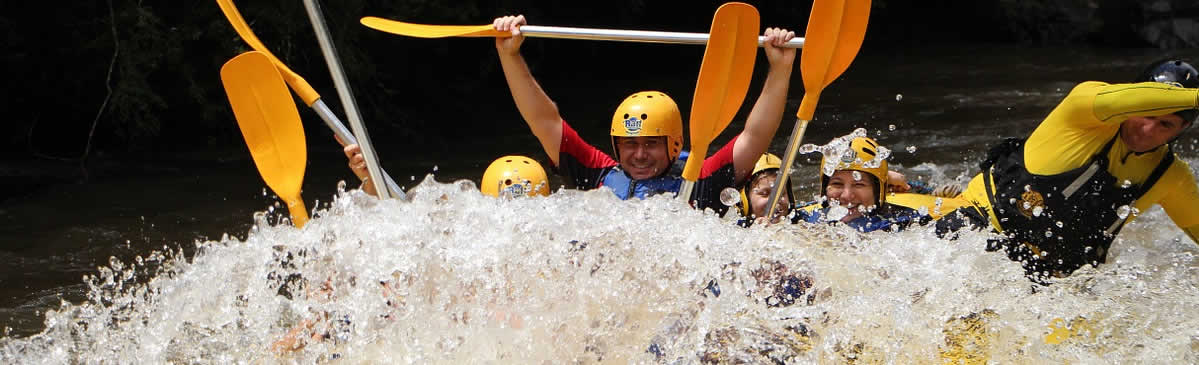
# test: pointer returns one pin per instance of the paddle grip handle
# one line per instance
(346, 136)
(780, 182)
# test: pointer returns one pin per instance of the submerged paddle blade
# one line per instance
(271, 126)
(431, 31)
(298, 84)
(723, 79)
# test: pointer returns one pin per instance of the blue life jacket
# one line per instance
(626, 187)
(895, 220)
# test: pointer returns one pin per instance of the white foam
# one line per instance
(584, 277)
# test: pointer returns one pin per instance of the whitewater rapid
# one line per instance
(453, 277)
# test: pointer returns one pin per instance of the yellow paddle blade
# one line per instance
(723, 78)
(849, 38)
(301, 86)
(835, 32)
(271, 126)
(431, 31)
(936, 207)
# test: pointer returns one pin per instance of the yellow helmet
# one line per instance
(767, 163)
(649, 114)
(863, 155)
(515, 175)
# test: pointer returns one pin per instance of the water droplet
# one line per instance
(1088, 249)
(829, 169)
(1027, 205)
(730, 196)
(923, 210)
(883, 153)
(860, 132)
(807, 148)
(1027, 188)
(1012, 201)
(1123, 211)
(857, 175)
(467, 185)
(1126, 184)
(911, 149)
(891, 127)
(412, 178)
(898, 97)
(836, 212)
(1037, 211)
(1059, 224)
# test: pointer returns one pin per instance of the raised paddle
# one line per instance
(835, 32)
(723, 80)
(488, 30)
(307, 94)
(271, 126)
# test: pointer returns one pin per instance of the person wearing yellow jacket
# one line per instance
(1102, 155)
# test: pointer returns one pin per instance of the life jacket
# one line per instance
(626, 187)
(1055, 224)
(893, 218)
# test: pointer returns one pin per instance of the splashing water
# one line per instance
(580, 277)
(836, 212)
(730, 197)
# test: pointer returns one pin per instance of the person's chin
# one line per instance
(641, 173)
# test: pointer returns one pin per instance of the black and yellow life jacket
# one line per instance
(1055, 224)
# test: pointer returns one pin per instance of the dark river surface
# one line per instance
(940, 104)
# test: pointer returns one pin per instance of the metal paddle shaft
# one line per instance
(780, 182)
(298, 85)
(345, 95)
(835, 32)
(724, 77)
(539, 31)
(271, 125)
(346, 136)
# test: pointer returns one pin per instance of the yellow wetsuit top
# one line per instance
(1081, 125)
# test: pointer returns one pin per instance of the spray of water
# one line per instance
(580, 277)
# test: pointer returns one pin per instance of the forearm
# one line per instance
(1117, 102)
(537, 109)
(764, 118)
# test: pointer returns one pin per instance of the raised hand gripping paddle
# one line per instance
(310, 97)
(835, 32)
(723, 80)
(271, 126)
(488, 30)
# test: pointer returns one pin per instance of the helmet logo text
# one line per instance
(632, 125)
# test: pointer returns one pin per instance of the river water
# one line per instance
(190, 265)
